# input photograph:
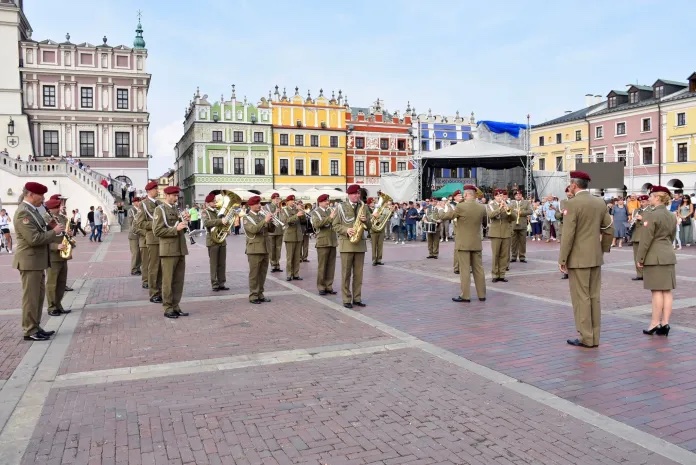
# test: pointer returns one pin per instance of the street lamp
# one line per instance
(10, 127)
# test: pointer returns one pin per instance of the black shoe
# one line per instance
(138, 273)
(255, 301)
(382, 263)
(650, 332)
(54, 313)
(223, 288)
(173, 316)
(322, 292)
(577, 343)
(156, 299)
(514, 260)
(348, 305)
(264, 299)
(288, 278)
(216, 289)
(180, 313)
(274, 270)
(565, 276)
(45, 333)
(360, 304)
(64, 311)
(375, 264)
(306, 261)
(522, 260)
(459, 299)
(68, 289)
(134, 273)
(482, 299)
(297, 278)
(36, 337)
(332, 292)
(429, 256)
(279, 270)
(145, 286)
(507, 269)
(456, 272)
(435, 257)
(663, 331)
(503, 280)
(637, 278)
(495, 280)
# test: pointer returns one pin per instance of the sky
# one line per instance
(502, 60)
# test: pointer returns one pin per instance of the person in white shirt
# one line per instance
(5, 229)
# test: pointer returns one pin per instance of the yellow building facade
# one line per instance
(309, 140)
(679, 123)
(557, 147)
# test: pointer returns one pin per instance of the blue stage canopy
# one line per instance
(499, 127)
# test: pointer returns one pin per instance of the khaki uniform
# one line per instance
(217, 253)
(656, 252)
(352, 255)
(559, 219)
(636, 237)
(499, 231)
(57, 274)
(433, 216)
(293, 241)
(521, 209)
(154, 267)
(326, 244)
(142, 243)
(134, 240)
(172, 255)
(32, 259)
(306, 232)
(256, 231)
(468, 245)
(376, 241)
(585, 220)
(275, 239)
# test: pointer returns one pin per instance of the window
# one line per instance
(620, 129)
(87, 97)
(314, 167)
(238, 166)
(260, 166)
(238, 136)
(682, 152)
(49, 96)
(541, 141)
(659, 91)
(50, 143)
(383, 167)
(360, 168)
(681, 119)
(284, 164)
(559, 163)
(122, 99)
(299, 140)
(424, 145)
(633, 97)
(599, 158)
(578, 158)
(334, 167)
(647, 155)
(621, 156)
(438, 145)
(401, 166)
(578, 135)
(646, 124)
(258, 137)
(299, 167)
(333, 142)
(599, 132)
(401, 144)
(314, 141)
(359, 142)
(218, 165)
(384, 144)
(559, 138)
(122, 144)
(612, 102)
(542, 164)
(283, 139)
(86, 143)
(217, 136)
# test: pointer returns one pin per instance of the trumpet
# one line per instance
(274, 218)
(184, 217)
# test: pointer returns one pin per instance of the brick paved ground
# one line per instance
(392, 407)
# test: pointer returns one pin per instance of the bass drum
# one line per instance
(431, 228)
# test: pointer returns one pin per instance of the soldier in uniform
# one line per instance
(154, 267)
(457, 197)
(32, 257)
(637, 220)
(306, 233)
(275, 238)
(468, 243)
(134, 238)
(506, 199)
(376, 237)
(217, 253)
(559, 219)
(432, 216)
(256, 227)
(352, 254)
(292, 216)
(500, 217)
(142, 239)
(586, 219)
(170, 229)
(57, 274)
(521, 209)
(322, 219)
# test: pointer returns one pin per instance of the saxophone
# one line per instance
(358, 226)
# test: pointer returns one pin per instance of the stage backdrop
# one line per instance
(607, 175)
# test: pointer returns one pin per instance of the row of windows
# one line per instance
(424, 145)
(646, 157)
(313, 140)
(237, 136)
(86, 97)
(238, 167)
(383, 143)
(51, 146)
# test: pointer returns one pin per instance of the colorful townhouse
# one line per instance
(226, 145)
(679, 125)
(309, 140)
(378, 142)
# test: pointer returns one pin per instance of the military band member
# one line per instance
(154, 267)
(32, 257)
(217, 253)
(586, 219)
(352, 254)
(468, 243)
(292, 217)
(170, 229)
(559, 219)
(256, 228)
(57, 273)
(457, 197)
(142, 240)
(275, 238)
(432, 217)
(506, 199)
(322, 218)
(637, 220)
(134, 238)
(376, 237)
(500, 217)
(521, 209)
(306, 233)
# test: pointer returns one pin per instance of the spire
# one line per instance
(408, 107)
(234, 93)
(139, 42)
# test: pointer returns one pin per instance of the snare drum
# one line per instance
(431, 228)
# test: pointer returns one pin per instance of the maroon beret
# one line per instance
(654, 189)
(643, 197)
(499, 191)
(580, 175)
(289, 197)
(50, 204)
(469, 187)
(209, 198)
(370, 200)
(36, 188)
(323, 198)
(275, 195)
(136, 199)
(151, 185)
(353, 189)
(171, 190)
(458, 192)
(56, 196)
(254, 200)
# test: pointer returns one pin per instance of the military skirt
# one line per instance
(659, 277)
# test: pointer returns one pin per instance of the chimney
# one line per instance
(598, 99)
(567, 112)
(589, 100)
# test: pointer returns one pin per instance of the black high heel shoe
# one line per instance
(663, 331)
(652, 331)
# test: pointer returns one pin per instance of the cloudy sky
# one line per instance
(502, 60)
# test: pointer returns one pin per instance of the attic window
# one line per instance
(659, 91)
(612, 102)
(633, 97)
(692, 85)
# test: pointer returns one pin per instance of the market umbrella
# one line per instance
(448, 189)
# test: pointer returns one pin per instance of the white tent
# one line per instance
(400, 185)
(485, 154)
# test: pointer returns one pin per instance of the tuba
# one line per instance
(229, 206)
(68, 244)
(358, 226)
(383, 213)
